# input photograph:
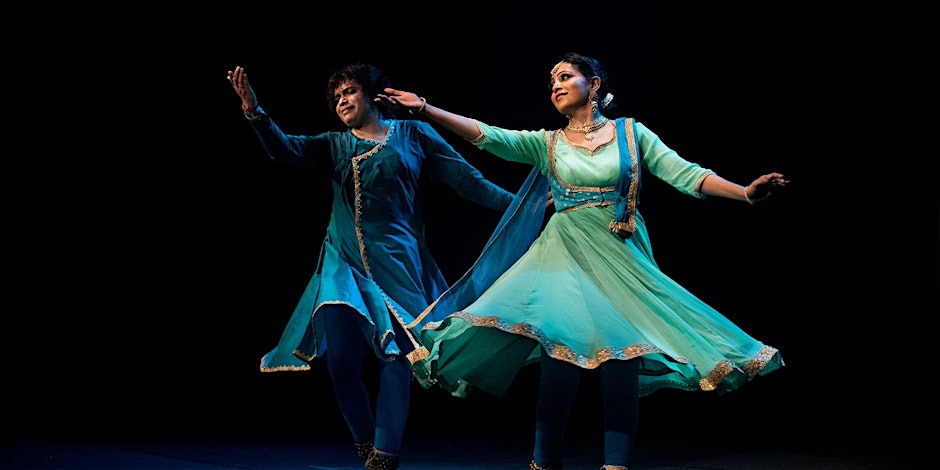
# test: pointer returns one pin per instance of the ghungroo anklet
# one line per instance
(363, 450)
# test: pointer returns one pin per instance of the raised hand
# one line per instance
(239, 80)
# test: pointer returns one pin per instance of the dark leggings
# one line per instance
(346, 354)
(558, 389)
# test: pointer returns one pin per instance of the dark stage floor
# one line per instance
(336, 454)
(257, 428)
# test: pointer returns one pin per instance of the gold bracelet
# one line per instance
(420, 110)
(253, 114)
(747, 198)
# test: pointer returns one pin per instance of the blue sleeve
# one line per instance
(300, 150)
(450, 167)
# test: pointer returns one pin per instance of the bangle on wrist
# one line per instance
(746, 198)
(420, 110)
(253, 114)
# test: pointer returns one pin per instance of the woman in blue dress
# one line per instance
(375, 274)
(587, 294)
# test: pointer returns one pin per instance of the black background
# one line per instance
(155, 253)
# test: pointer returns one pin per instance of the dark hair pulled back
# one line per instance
(590, 67)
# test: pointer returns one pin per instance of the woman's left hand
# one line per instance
(762, 187)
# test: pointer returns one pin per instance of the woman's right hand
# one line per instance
(404, 100)
(239, 80)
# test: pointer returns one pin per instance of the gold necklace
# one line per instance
(588, 129)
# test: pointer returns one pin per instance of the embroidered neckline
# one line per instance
(388, 133)
(591, 152)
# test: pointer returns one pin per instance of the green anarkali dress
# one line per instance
(588, 289)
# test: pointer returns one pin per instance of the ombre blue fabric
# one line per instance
(374, 257)
(515, 232)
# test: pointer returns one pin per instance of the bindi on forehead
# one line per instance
(563, 68)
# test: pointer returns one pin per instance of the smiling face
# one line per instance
(570, 89)
(353, 106)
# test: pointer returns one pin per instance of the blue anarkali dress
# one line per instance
(374, 258)
(587, 289)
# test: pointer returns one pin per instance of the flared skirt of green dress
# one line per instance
(586, 295)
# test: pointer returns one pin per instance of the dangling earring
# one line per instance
(592, 97)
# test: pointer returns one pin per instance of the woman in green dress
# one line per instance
(587, 294)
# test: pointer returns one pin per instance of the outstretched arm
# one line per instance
(758, 190)
(414, 104)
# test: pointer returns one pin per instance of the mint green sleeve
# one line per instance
(667, 165)
(516, 146)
